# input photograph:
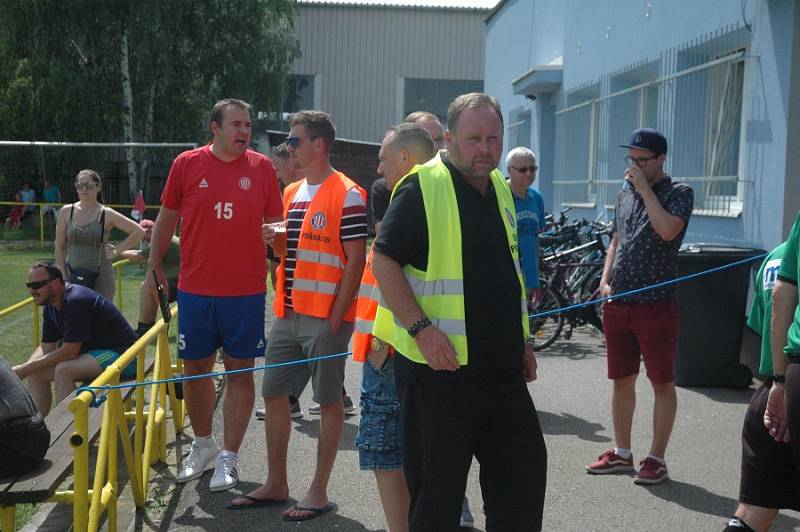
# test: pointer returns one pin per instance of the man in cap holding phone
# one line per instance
(650, 221)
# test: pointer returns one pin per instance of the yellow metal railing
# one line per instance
(29, 301)
(42, 205)
(149, 443)
(147, 446)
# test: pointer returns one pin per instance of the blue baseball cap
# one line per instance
(647, 138)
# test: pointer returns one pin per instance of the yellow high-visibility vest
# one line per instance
(439, 290)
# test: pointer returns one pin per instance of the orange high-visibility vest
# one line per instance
(320, 258)
(369, 295)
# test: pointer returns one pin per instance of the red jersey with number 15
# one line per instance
(222, 206)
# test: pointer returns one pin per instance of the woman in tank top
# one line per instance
(80, 240)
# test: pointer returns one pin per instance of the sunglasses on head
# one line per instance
(35, 285)
(295, 142)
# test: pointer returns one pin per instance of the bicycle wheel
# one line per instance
(546, 329)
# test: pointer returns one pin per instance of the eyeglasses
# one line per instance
(523, 169)
(35, 285)
(640, 161)
(295, 142)
(89, 185)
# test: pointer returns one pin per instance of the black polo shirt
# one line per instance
(643, 258)
(491, 287)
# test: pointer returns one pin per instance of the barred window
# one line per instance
(693, 95)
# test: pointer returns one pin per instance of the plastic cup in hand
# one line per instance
(279, 244)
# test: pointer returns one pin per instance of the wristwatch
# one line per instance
(377, 345)
(418, 326)
(780, 379)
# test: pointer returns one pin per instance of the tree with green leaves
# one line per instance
(144, 71)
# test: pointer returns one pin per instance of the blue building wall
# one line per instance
(596, 38)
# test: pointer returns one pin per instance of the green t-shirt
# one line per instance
(171, 263)
(761, 309)
(789, 273)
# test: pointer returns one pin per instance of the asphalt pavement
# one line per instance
(572, 396)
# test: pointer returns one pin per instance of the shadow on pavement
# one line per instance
(725, 395)
(567, 424)
(694, 498)
(311, 429)
(703, 501)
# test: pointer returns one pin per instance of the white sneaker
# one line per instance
(198, 462)
(226, 473)
(467, 521)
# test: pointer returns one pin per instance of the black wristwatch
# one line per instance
(780, 379)
(418, 326)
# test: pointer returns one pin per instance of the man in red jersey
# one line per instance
(223, 193)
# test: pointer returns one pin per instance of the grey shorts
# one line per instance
(298, 337)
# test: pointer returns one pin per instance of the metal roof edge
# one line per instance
(351, 4)
(496, 9)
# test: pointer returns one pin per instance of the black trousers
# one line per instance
(22, 447)
(448, 419)
(793, 407)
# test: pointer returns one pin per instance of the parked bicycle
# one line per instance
(571, 268)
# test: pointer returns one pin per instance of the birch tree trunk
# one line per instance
(127, 116)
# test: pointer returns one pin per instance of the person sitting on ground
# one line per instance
(82, 334)
(24, 437)
(171, 265)
(14, 218)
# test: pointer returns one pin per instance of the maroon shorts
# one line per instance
(636, 331)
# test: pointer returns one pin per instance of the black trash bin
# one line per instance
(712, 315)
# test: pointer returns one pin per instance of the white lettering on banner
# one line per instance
(771, 270)
(181, 342)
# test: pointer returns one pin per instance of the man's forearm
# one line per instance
(48, 360)
(666, 225)
(784, 302)
(162, 236)
(348, 287)
(608, 266)
(395, 289)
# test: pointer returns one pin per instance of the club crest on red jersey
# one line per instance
(318, 221)
(245, 183)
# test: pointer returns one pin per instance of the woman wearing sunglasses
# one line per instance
(82, 250)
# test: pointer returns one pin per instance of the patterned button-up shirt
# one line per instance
(643, 258)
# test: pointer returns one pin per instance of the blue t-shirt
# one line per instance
(530, 219)
(88, 318)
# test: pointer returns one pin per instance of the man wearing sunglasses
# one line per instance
(82, 334)
(314, 308)
(650, 220)
(521, 165)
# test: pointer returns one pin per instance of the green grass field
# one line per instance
(16, 341)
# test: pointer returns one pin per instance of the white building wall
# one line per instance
(359, 53)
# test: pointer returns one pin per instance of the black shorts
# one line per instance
(769, 479)
(22, 447)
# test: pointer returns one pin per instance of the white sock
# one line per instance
(204, 441)
(657, 459)
(622, 453)
(230, 454)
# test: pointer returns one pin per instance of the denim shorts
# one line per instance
(380, 433)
